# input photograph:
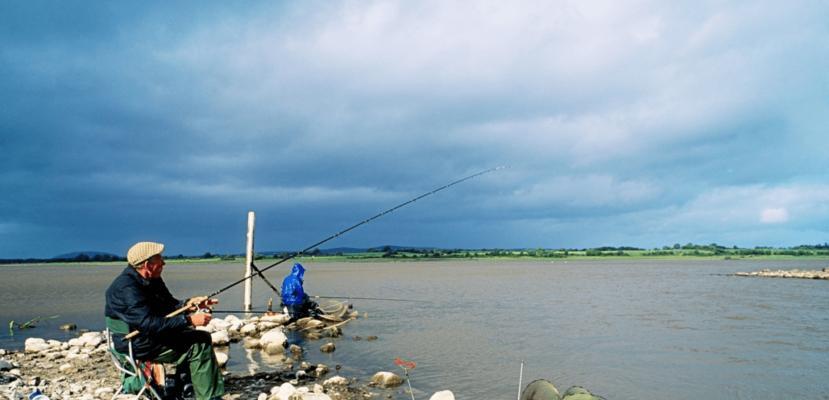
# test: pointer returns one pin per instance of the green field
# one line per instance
(675, 252)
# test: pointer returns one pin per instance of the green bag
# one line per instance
(540, 389)
(579, 393)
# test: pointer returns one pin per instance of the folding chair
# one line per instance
(135, 375)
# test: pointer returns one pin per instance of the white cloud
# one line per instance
(584, 192)
(774, 215)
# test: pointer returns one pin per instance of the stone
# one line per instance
(251, 343)
(273, 336)
(5, 365)
(370, 338)
(332, 332)
(68, 327)
(65, 367)
(315, 396)
(219, 324)
(277, 318)
(35, 345)
(443, 395)
(53, 344)
(262, 396)
(328, 348)
(220, 338)
(386, 379)
(264, 326)
(336, 381)
(221, 358)
(249, 329)
(274, 349)
(104, 392)
(285, 391)
(312, 335)
(295, 349)
(318, 388)
(321, 370)
(75, 342)
(91, 339)
(305, 365)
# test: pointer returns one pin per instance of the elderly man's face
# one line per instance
(155, 265)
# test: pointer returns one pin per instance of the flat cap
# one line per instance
(143, 251)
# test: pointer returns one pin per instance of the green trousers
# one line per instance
(194, 349)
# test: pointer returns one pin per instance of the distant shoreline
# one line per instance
(379, 257)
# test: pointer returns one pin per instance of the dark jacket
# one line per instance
(143, 304)
(292, 292)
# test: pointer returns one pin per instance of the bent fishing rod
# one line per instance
(332, 237)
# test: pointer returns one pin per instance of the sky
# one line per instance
(635, 123)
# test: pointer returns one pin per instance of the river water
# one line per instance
(625, 329)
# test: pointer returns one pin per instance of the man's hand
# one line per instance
(199, 319)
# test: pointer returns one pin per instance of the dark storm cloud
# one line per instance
(637, 124)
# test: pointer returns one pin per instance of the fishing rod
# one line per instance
(363, 222)
(334, 236)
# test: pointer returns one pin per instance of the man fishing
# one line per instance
(139, 298)
(298, 303)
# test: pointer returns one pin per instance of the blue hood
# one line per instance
(298, 271)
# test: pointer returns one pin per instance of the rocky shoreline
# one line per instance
(793, 273)
(81, 368)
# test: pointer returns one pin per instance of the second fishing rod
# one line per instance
(259, 272)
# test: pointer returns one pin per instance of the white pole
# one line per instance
(249, 262)
(520, 378)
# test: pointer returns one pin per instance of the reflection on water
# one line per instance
(620, 328)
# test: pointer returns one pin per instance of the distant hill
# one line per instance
(87, 256)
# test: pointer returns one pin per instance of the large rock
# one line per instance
(35, 345)
(274, 349)
(221, 358)
(273, 336)
(336, 381)
(443, 395)
(320, 370)
(283, 392)
(266, 325)
(220, 338)
(251, 343)
(5, 365)
(219, 324)
(91, 339)
(328, 348)
(386, 379)
(249, 329)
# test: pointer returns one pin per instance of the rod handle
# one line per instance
(170, 315)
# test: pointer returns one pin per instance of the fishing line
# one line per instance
(363, 222)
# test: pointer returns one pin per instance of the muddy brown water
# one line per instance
(625, 329)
